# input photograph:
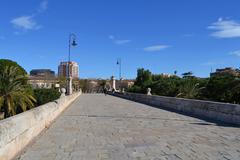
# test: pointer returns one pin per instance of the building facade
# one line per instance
(226, 71)
(42, 73)
(120, 84)
(42, 82)
(63, 69)
(42, 78)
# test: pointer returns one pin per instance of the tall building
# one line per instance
(42, 73)
(63, 69)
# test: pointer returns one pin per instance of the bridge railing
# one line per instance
(17, 131)
(224, 112)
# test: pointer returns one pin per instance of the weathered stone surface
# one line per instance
(225, 112)
(98, 127)
(17, 131)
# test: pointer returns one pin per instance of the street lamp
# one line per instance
(119, 62)
(71, 43)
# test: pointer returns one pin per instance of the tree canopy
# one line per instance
(7, 62)
(223, 86)
(15, 95)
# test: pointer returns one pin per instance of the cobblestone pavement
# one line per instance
(98, 127)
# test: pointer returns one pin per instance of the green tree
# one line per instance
(223, 87)
(7, 62)
(189, 89)
(143, 76)
(15, 94)
(165, 86)
(235, 92)
(45, 95)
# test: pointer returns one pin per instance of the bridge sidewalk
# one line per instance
(106, 127)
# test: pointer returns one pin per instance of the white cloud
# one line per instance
(236, 53)
(25, 22)
(118, 41)
(43, 6)
(225, 28)
(155, 48)
(122, 41)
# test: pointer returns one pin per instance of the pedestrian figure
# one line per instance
(105, 91)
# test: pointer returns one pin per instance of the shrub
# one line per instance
(46, 95)
(135, 89)
(165, 86)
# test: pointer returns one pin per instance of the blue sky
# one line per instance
(160, 35)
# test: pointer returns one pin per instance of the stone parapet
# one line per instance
(17, 131)
(224, 112)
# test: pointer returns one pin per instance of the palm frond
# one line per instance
(13, 91)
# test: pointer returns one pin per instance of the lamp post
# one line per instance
(119, 62)
(71, 43)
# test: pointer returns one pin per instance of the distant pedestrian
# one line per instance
(105, 91)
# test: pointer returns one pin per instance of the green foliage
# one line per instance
(15, 95)
(7, 62)
(235, 93)
(189, 89)
(143, 81)
(135, 89)
(223, 87)
(143, 76)
(44, 95)
(165, 86)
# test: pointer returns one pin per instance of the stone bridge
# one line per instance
(98, 127)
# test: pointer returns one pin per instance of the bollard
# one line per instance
(149, 91)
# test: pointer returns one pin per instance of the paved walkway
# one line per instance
(98, 127)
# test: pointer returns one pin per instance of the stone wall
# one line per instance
(225, 112)
(17, 131)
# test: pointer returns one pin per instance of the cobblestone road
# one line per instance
(98, 127)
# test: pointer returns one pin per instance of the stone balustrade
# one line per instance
(224, 112)
(17, 131)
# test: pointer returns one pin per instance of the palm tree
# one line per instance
(14, 92)
(189, 90)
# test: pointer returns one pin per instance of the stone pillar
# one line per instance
(69, 86)
(113, 80)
